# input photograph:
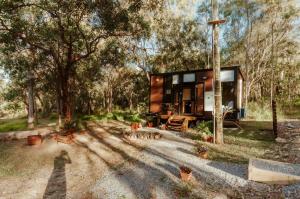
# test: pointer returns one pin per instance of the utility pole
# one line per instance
(218, 112)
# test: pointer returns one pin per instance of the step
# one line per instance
(174, 124)
(174, 128)
(273, 172)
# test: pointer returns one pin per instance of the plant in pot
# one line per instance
(202, 152)
(205, 129)
(170, 110)
(185, 173)
(135, 122)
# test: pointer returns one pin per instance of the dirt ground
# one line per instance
(102, 162)
(35, 172)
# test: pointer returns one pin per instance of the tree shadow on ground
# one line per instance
(166, 167)
(57, 184)
(143, 179)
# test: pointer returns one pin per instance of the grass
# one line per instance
(255, 140)
(16, 124)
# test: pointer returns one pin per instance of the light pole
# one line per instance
(218, 113)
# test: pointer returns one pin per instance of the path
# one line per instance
(154, 174)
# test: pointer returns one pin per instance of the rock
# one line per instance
(273, 172)
(289, 125)
(221, 196)
(296, 140)
(281, 140)
(292, 191)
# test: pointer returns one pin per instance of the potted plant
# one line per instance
(185, 173)
(135, 122)
(135, 126)
(205, 128)
(34, 140)
(170, 109)
(202, 152)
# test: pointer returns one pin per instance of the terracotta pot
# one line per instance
(150, 124)
(208, 138)
(203, 154)
(34, 140)
(185, 173)
(169, 112)
(135, 126)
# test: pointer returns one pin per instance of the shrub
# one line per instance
(134, 118)
(205, 127)
(262, 111)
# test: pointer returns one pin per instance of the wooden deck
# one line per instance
(177, 122)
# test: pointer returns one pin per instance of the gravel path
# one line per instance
(154, 174)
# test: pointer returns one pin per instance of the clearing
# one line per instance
(102, 164)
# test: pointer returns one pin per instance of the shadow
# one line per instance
(171, 169)
(186, 151)
(57, 184)
(142, 179)
(163, 174)
(233, 169)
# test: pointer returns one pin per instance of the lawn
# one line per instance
(15, 124)
(20, 124)
(255, 139)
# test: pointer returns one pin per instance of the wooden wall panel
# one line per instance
(156, 94)
(207, 77)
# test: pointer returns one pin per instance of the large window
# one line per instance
(190, 77)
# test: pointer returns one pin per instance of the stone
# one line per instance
(220, 196)
(273, 172)
(292, 191)
(296, 140)
(289, 125)
(281, 140)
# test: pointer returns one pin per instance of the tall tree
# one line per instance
(68, 32)
(218, 114)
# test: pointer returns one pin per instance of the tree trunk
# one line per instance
(59, 102)
(130, 102)
(217, 77)
(66, 106)
(31, 118)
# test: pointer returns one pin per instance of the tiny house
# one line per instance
(191, 93)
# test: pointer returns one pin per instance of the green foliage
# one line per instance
(205, 127)
(118, 115)
(262, 111)
(18, 124)
(242, 144)
(297, 102)
(134, 118)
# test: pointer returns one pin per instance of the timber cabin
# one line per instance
(190, 96)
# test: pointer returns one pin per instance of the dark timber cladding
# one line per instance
(191, 93)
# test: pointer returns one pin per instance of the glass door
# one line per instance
(199, 106)
(188, 102)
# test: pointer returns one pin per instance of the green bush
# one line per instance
(205, 127)
(297, 102)
(134, 118)
(262, 111)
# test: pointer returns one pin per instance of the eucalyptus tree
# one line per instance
(67, 32)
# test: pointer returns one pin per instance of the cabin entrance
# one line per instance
(189, 99)
(188, 102)
(199, 105)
